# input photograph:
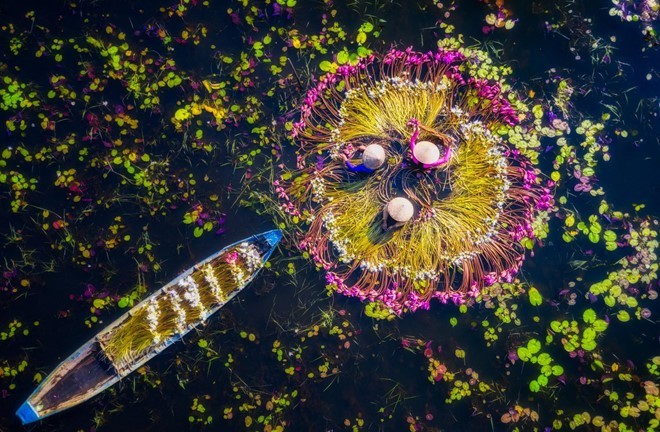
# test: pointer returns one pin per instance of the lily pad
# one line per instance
(589, 316)
(535, 298)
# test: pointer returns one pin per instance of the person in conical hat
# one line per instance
(396, 213)
(373, 157)
(427, 153)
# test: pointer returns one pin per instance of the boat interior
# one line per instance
(86, 373)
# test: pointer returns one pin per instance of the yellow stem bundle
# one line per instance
(133, 338)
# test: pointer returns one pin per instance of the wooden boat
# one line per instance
(151, 326)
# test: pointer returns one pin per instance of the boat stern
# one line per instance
(27, 413)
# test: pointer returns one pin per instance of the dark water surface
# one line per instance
(338, 368)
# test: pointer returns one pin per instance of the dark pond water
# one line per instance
(99, 182)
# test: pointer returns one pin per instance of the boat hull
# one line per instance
(97, 365)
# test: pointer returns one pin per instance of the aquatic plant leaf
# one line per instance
(535, 298)
(609, 236)
(544, 359)
(555, 326)
(589, 334)
(610, 300)
(588, 345)
(342, 57)
(534, 386)
(363, 51)
(523, 353)
(182, 114)
(557, 370)
(600, 325)
(542, 380)
(589, 316)
(569, 221)
(623, 316)
(325, 66)
(534, 346)
(367, 27)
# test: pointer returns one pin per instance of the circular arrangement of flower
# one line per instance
(416, 177)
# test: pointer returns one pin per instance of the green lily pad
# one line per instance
(557, 370)
(588, 344)
(325, 66)
(544, 359)
(523, 353)
(589, 334)
(589, 316)
(555, 326)
(123, 302)
(342, 57)
(609, 236)
(534, 346)
(534, 386)
(542, 380)
(535, 298)
(600, 325)
(623, 316)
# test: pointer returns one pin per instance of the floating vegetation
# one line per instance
(475, 206)
(140, 137)
(645, 12)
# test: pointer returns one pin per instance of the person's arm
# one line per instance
(383, 224)
(395, 226)
(413, 139)
(358, 168)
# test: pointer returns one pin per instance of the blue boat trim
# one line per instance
(26, 413)
(273, 237)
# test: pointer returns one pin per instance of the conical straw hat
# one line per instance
(400, 209)
(426, 152)
(373, 156)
